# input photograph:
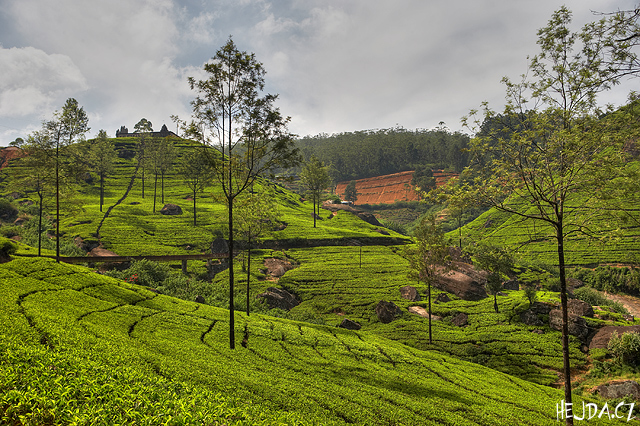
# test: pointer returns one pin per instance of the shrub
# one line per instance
(144, 272)
(7, 211)
(531, 293)
(598, 353)
(7, 247)
(607, 278)
(625, 349)
(592, 297)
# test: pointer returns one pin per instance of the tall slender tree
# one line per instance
(143, 129)
(429, 258)
(315, 178)
(195, 170)
(102, 156)
(550, 155)
(39, 171)
(68, 126)
(231, 114)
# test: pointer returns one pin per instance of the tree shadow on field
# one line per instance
(399, 385)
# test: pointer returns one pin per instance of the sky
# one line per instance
(337, 65)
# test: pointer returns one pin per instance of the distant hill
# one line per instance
(369, 153)
(390, 188)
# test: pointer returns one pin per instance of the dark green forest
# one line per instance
(368, 153)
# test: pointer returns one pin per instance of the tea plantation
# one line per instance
(80, 348)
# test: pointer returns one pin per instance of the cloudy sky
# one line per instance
(337, 65)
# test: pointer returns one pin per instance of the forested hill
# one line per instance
(368, 153)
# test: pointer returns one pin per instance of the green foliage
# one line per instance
(144, 272)
(350, 192)
(608, 278)
(7, 211)
(8, 247)
(625, 348)
(368, 153)
(531, 293)
(594, 298)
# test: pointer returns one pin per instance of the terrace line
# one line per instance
(113, 259)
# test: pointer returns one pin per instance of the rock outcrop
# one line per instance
(171, 209)
(601, 338)
(616, 390)
(349, 324)
(578, 307)
(419, 310)
(279, 298)
(577, 324)
(387, 311)
(460, 320)
(534, 315)
(410, 293)
(464, 281)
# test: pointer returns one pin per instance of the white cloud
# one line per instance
(32, 80)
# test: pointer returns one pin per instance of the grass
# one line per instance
(134, 228)
(81, 348)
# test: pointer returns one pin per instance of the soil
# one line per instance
(388, 189)
(631, 303)
(8, 154)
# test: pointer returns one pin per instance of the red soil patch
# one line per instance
(388, 189)
(8, 154)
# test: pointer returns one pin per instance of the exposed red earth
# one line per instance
(388, 189)
(8, 154)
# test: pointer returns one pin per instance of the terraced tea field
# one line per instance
(80, 348)
(332, 285)
(616, 243)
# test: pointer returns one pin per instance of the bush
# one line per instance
(531, 293)
(7, 247)
(7, 211)
(144, 272)
(592, 297)
(607, 278)
(625, 349)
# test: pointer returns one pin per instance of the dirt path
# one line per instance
(631, 303)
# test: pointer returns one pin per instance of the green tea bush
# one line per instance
(598, 353)
(625, 348)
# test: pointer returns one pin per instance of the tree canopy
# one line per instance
(368, 153)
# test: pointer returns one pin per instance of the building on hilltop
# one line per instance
(163, 133)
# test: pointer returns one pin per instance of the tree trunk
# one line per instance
(101, 190)
(248, 270)
(57, 204)
(314, 210)
(232, 338)
(155, 190)
(41, 195)
(162, 178)
(143, 182)
(495, 302)
(565, 321)
(429, 297)
(194, 207)
(230, 197)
